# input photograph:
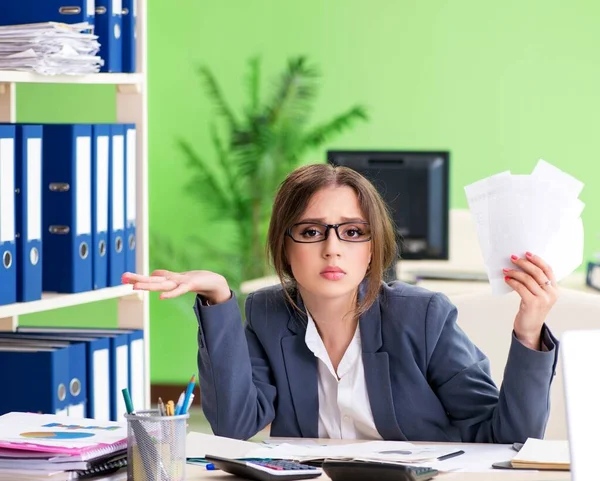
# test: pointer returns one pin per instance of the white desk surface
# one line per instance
(197, 473)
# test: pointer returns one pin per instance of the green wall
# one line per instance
(500, 84)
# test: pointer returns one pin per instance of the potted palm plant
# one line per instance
(253, 151)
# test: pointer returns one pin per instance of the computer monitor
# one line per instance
(415, 186)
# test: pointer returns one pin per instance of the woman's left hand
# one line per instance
(536, 284)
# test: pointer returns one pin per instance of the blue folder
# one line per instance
(76, 386)
(129, 36)
(97, 354)
(119, 356)
(8, 248)
(13, 12)
(100, 190)
(28, 156)
(116, 207)
(130, 196)
(66, 208)
(108, 27)
(40, 384)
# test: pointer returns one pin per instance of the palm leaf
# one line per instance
(214, 92)
(236, 197)
(326, 132)
(294, 93)
(253, 82)
(204, 184)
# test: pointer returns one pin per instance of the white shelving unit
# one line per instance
(131, 99)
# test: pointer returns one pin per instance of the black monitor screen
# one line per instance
(415, 186)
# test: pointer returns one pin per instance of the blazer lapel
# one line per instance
(301, 369)
(377, 375)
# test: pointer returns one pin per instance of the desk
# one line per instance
(197, 473)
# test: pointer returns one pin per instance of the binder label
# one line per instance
(117, 7)
(118, 184)
(91, 8)
(138, 378)
(122, 377)
(101, 385)
(102, 153)
(131, 180)
(34, 189)
(84, 186)
(7, 190)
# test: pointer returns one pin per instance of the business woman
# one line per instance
(337, 353)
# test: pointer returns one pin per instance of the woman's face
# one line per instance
(331, 268)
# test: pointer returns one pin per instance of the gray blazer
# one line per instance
(425, 379)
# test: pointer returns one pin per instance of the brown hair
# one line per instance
(291, 201)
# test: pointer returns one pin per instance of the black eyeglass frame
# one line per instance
(327, 228)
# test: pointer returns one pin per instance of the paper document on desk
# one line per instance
(390, 451)
(543, 454)
(198, 445)
(539, 213)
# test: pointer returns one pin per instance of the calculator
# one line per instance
(265, 469)
(339, 470)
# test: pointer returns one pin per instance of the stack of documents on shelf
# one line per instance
(542, 454)
(538, 213)
(50, 48)
(42, 446)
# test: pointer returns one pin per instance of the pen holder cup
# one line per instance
(156, 446)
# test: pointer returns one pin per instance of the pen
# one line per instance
(161, 407)
(179, 404)
(189, 403)
(127, 399)
(202, 462)
(450, 455)
(188, 393)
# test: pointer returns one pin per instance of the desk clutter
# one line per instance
(110, 24)
(67, 208)
(43, 446)
(72, 372)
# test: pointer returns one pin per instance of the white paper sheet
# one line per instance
(539, 213)
(198, 445)
(391, 451)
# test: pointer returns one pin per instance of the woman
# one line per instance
(338, 353)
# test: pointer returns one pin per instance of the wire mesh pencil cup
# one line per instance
(156, 446)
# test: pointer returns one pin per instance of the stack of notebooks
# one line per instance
(50, 48)
(43, 446)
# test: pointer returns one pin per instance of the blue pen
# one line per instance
(188, 393)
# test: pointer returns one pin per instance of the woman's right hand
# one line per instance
(213, 287)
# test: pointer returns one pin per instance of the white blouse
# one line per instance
(344, 407)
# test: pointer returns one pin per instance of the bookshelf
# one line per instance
(131, 97)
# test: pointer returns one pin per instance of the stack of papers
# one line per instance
(199, 445)
(399, 452)
(50, 48)
(539, 213)
(541, 454)
(45, 446)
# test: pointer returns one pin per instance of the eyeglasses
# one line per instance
(310, 232)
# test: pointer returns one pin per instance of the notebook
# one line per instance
(96, 469)
(51, 463)
(543, 454)
(80, 439)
